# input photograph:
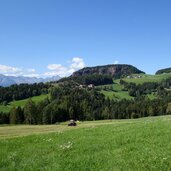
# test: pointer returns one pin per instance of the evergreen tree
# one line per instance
(30, 112)
(13, 116)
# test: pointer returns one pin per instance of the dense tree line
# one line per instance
(4, 118)
(90, 79)
(70, 102)
(22, 91)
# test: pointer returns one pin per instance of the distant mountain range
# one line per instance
(9, 80)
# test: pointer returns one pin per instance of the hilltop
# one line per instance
(101, 75)
(163, 71)
(115, 71)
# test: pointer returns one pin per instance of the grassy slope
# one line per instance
(119, 94)
(142, 144)
(116, 93)
(21, 102)
(148, 78)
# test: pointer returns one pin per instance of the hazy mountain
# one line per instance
(9, 80)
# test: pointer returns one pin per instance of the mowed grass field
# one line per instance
(117, 145)
(147, 78)
(21, 103)
(117, 92)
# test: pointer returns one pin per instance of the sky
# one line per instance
(57, 37)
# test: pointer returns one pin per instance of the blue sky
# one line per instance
(50, 37)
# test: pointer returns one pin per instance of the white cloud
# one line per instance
(4, 69)
(58, 69)
(53, 69)
(15, 71)
(55, 73)
(31, 70)
(77, 63)
(116, 62)
(31, 75)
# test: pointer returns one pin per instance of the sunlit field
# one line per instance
(141, 144)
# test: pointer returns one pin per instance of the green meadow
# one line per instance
(135, 145)
(21, 103)
(117, 91)
(147, 78)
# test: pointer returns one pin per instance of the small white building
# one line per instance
(90, 85)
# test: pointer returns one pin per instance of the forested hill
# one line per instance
(116, 71)
(162, 71)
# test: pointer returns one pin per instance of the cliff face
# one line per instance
(116, 71)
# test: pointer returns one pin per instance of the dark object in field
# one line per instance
(72, 123)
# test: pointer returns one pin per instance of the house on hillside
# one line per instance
(91, 86)
(135, 76)
(82, 86)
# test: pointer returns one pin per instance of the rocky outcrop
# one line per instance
(116, 71)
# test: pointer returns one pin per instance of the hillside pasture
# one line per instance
(115, 91)
(21, 103)
(116, 95)
(147, 78)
